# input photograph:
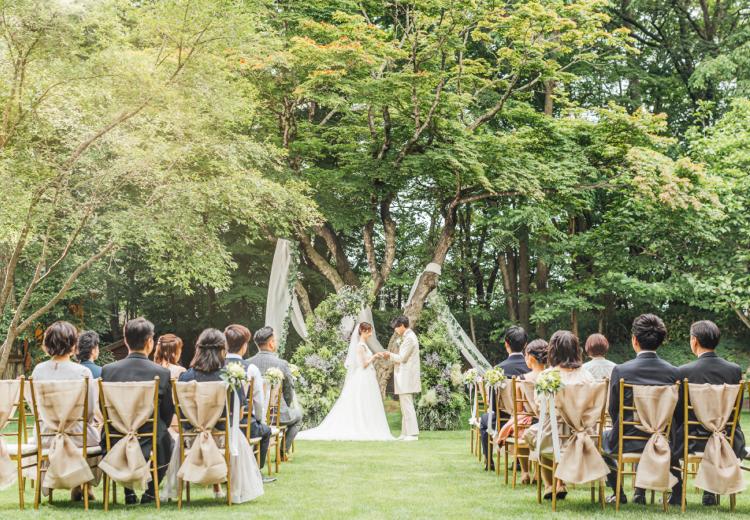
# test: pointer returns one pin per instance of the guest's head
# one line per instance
(265, 339)
(139, 335)
(515, 339)
(704, 335)
(168, 350)
(400, 324)
(60, 339)
(648, 332)
(535, 355)
(564, 350)
(238, 337)
(88, 346)
(365, 331)
(597, 346)
(210, 351)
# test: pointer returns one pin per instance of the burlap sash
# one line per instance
(203, 404)
(580, 407)
(9, 393)
(60, 408)
(505, 397)
(527, 389)
(719, 471)
(655, 406)
(129, 406)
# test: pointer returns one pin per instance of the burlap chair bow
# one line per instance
(203, 404)
(719, 471)
(129, 406)
(9, 393)
(655, 407)
(580, 407)
(60, 406)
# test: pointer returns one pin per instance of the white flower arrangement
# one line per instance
(457, 378)
(294, 369)
(429, 398)
(495, 377)
(274, 376)
(234, 374)
(472, 377)
(549, 382)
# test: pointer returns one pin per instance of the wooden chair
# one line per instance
(111, 434)
(247, 417)
(694, 459)
(479, 407)
(187, 432)
(20, 452)
(42, 454)
(496, 399)
(273, 419)
(551, 463)
(624, 458)
(517, 444)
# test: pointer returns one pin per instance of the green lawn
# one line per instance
(433, 478)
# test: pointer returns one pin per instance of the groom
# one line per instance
(406, 376)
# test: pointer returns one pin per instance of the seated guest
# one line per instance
(238, 339)
(266, 358)
(708, 368)
(88, 352)
(597, 347)
(168, 353)
(535, 355)
(564, 354)
(647, 334)
(514, 365)
(139, 338)
(59, 343)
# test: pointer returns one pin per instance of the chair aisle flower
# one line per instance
(472, 377)
(274, 376)
(495, 377)
(549, 382)
(234, 375)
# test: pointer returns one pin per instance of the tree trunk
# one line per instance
(524, 280)
(542, 276)
(574, 322)
(509, 274)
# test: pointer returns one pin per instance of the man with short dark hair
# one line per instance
(709, 368)
(266, 358)
(87, 352)
(238, 337)
(647, 334)
(515, 341)
(139, 338)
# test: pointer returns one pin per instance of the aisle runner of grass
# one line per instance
(433, 478)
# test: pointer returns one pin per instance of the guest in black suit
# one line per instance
(514, 365)
(139, 338)
(708, 368)
(648, 333)
(238, 339)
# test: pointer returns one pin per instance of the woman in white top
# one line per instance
(359, 414)
(597, 347)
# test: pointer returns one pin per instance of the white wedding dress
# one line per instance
(358, 414)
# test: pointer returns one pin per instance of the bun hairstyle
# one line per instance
(538, 349)
(210, 351)
(364, 327)
(168, 350)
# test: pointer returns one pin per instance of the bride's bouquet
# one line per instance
(274, 376)
(235, 375)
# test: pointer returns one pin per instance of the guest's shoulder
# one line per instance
(40, 368)
(187, 375)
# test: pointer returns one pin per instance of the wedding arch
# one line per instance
(282, 307)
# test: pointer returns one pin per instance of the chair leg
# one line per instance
(537, 476)
(490, 449)
(653, 496)
(187, 492)
(664, 501)
(179, 493)
(505, 464)
(683, 504)
(114, 493)
(85, 491)
(554, 490)
(732, 502)
(105, 493)
(278, 456)
(515, 465)
(38, 484)
(593, 493)
(618, 486)
(155, 477)
(601, 493)
(21, 483)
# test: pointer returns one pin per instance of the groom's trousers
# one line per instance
(408, 415)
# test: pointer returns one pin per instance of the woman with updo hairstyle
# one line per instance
(535, 354)
(168, 352)
(59, 343)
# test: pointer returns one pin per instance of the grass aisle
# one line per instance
(433, 478)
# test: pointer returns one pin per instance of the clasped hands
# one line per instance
(382, 355)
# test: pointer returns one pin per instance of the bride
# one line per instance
(358, 414)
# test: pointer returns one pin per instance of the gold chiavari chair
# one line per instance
(247, 417)
(479, 408)
(632, 458)
(186, 431)
(273, 419)
(691, 461)
(110, 435)
(42, 453)
(521, 409)
(20, 452)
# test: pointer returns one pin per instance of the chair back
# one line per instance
(199, 408)
(247, 412)
(61, 414)
(11, 413)
(273, 411)
(711, 414)
(651, 412)
(130, 411)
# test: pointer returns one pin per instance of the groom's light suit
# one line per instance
(407, 380)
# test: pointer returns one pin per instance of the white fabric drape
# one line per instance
(457, 334)
(281, 299)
